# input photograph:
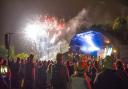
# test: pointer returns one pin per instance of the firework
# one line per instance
(45, 33)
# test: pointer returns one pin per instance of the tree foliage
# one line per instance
(120, 24)
(22, 55)
(12, 53)
(3, 51)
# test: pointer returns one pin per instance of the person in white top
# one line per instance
(78, 81)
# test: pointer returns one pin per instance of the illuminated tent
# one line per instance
(87, 42)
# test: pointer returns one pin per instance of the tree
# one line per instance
(12, 53)
(101, 27)
(120, 24)
(22, 55)
(3, 51)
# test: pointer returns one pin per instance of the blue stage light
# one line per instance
(88, 42)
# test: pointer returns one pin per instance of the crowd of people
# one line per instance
(87, 73)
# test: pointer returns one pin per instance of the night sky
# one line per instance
(13, 12)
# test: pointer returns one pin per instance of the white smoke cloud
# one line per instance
(73, 25)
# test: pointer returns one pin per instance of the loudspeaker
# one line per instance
(7, 41)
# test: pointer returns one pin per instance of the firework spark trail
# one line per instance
(45, 32)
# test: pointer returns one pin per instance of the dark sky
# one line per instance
(13, 12)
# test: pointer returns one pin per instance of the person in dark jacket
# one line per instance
(29, 76)
(126, 69)
(70, 68)
(16, 74)
(107, 79)
(59, 74)
(41, 76)
(122, 74)
(91, 72)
